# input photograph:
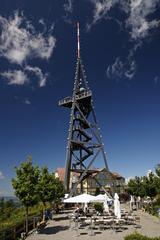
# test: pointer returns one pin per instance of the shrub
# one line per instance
(154, 207)
(124, 197)
(98, 207)
(137, 236)
(157, 200)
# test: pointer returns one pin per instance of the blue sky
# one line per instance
(120, 51)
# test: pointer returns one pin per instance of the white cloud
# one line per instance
(120, 69)
(157, 79)
(130, 72)
(26, 101)
(42, 78)
(42, 22)
(21, 77)
(15, 77)
(116, 69)
(68, 6)
(138, 23)
(19, 40)
(128, 179)
(1, 175)
(101, 8)
(41, 47)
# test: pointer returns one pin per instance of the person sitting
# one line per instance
(81, 212)
(86, 210)
(47, 215)
(77, 211)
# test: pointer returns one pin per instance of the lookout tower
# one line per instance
(84, 140)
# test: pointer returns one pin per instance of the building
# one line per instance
(110, 181)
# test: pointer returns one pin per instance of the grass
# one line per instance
(17, 216)
(138, 236)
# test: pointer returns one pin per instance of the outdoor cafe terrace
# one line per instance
(109, 224)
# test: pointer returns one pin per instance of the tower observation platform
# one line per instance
(84, 140)
(83, 97)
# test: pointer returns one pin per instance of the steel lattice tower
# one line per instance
(84, 139)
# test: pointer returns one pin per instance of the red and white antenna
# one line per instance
(78, 40)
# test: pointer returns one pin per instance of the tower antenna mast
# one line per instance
(78, 40)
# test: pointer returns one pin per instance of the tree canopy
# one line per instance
(33, 184)
(49, 188)
(25, 183)
(146, 185)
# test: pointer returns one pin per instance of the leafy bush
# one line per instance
(146, 185)
(155, 210)
(124, 197)
(157, 202)
(154, 207)
(98, 207)
(97, 191)
(137, 236)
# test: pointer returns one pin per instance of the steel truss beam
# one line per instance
(84, 139)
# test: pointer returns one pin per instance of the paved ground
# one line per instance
(59, 230)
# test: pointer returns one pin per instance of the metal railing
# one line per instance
(78, 96)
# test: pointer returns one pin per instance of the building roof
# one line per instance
(113, 174)
(61, 173)
(117, 175)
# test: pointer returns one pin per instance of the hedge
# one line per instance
(137, 236)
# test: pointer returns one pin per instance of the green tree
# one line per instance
(157, 179)
(25, 185)
(136, 187)
(97, 191)
(10, 204)
(9, 207)
(157, 169)
(149, 184)
(144, 186)
(49, 188)
(6, 208)
(59, 193)
(2, 205)
(58, 189)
